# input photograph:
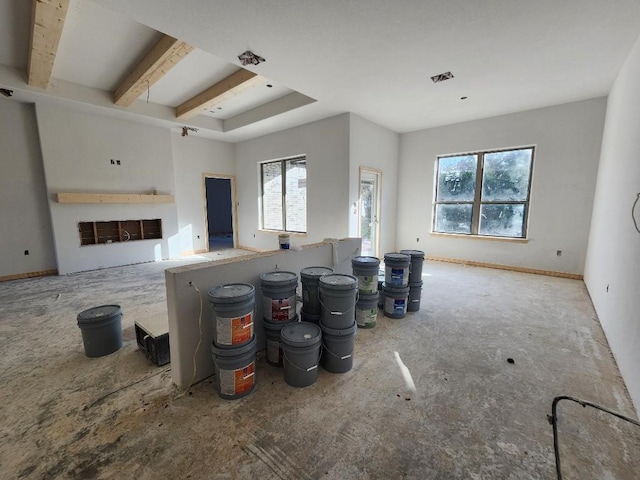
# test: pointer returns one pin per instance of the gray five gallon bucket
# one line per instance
(310, 277)
(415, 292)
(365, 269)
(233, 308)
(301, 343)
(338, 295)
(337, 348)
(367, 310)
(279, 296)
(395, 301)
(396, 269)
(417, 260)
(274, 346)
(307, 317)
(235, 370)
(101, 329)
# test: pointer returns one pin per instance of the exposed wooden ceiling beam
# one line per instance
(160, 59)
(47, 22)
(232, 85)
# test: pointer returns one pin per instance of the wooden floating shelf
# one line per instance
(113, 198)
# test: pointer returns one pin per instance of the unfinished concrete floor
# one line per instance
(473, 416)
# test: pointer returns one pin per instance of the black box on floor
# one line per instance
(153, 339)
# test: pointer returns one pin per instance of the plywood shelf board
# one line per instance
(70, 197)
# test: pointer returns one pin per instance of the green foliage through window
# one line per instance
(484, 193)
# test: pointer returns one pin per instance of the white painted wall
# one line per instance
(76, 149)
(567, 139)
(192, 157)
(24, 214)
(612, 272)
(326, 145)
(377, 147)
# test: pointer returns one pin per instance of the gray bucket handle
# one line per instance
(344, 357)
(340, 313)
(284, 356)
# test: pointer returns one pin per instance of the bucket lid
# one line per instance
(98, 314)
(234, 351)
(413, 253)
(342, 332)
(395, 288)
(396, 257)
(277, 279)
(300, 334)
(231, 293)
(365, 261)
(314, 272)
(339, 281)
(368, 297)
(278, 326)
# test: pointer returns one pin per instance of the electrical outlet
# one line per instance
(26, 252)
(607, 288)
(113, 162)
(558, 253)
(117, 162)
(418, 239)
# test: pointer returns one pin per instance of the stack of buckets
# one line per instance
(310, 276)
(396, 284)
(291, 344)
(278, 309)
(415, 279)
(402, 282)
(365, 269)
(337, 296)
(234, 340)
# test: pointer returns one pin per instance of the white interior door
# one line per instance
(369, 211)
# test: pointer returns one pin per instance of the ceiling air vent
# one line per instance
(442, 77)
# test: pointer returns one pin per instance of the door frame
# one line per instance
(378, 173)
(234, 204)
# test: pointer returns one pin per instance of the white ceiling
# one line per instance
(370, 57)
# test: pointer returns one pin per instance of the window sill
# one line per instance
(480, 237)
(280, 232)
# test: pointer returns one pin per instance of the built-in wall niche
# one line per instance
(94, 233)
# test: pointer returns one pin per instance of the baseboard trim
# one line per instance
(535, 271)
(20, 276)
(251, 249)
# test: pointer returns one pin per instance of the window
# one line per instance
(484, 193)
(284, 194)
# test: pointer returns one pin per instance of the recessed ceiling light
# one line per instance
(442, 77)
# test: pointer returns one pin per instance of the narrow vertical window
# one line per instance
(284, 194)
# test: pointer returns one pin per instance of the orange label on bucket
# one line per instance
(233, 331)
(244, 379)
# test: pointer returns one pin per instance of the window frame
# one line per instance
(477, 201)
(283, 169)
